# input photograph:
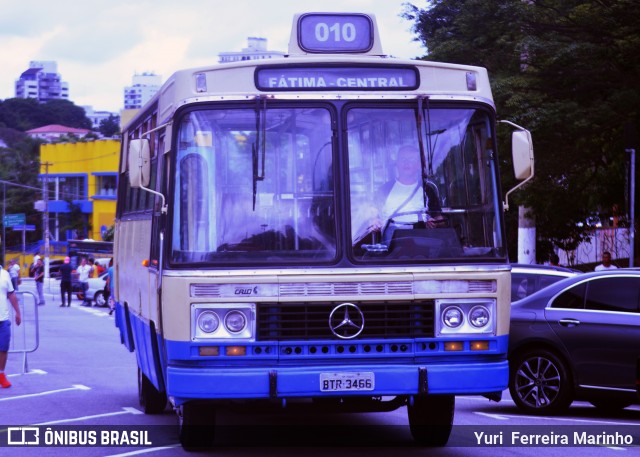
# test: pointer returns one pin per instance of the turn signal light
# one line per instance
(453, 346)
(208, 350)
(479, 345)
(236, 350)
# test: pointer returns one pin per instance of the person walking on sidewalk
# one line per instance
(84, 272)
(14, 272)
(38, 275)
(65, 281)
(7, 295)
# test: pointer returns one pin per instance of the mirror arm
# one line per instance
(163, 208)
(505, 205)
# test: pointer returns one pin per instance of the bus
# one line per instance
(258, 259)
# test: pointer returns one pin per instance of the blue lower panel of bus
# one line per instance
(457, 377)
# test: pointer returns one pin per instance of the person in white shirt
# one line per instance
(14, 272)
(606, 262)
(84, 272)
(7, 295)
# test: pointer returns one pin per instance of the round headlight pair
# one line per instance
(453, 317)
(234, 321)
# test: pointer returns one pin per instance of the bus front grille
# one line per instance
(310, 320)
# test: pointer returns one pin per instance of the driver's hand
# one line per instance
(436, 222)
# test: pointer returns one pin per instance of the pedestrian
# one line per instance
(554, 260)
(606, 262)
(109, 288)
(65, 281)
(7, 294)
(14, 272)
(84, 273)
(33, 265)
(38, 275)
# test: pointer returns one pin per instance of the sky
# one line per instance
(100, 44)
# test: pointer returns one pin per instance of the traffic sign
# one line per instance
(28, 228)
(11, 220)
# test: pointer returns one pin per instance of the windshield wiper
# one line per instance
(258, 148)
(430, 146)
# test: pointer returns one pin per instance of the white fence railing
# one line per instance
(614, 240)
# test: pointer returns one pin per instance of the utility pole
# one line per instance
(45, 222)
(631, 141)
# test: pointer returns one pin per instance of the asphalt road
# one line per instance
(81, 380)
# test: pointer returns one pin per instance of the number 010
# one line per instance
(339, 32)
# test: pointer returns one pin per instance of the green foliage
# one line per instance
(109, 234)
(110, 127)
(19, 164)
(568, 71)
(27, 113)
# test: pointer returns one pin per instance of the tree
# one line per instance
(568, 71)
(27, 113)
(110, 127)
(18, 166)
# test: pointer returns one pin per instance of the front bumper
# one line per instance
(455, 378)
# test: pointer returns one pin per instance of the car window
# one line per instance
(614, 294)
(572, 298)
(524, 284)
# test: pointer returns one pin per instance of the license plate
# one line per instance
(341, 382)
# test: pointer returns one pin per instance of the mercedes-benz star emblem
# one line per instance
(346, 321)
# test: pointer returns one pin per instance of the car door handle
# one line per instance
(569, 322)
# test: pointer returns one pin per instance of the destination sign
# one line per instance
(336, 78)
(328, 33)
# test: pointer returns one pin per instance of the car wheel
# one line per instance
(540, 382)
(610, 405)
(99, 299)
(431, 419)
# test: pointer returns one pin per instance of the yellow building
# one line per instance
(82, 174)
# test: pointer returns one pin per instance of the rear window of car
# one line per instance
(614, 294)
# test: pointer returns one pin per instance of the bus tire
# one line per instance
(151, 400)
(431, 419)
(196, 423)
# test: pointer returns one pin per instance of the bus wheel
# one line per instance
(151, 400)
(431, 419)
(196, 422)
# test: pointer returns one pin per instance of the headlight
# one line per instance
(223, 321)
(235, 321)
(452, 317)
(465, 316)
(479, 316)
(208, 321)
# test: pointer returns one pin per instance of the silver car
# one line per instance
(527, 279)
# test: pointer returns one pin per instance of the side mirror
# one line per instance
(522, 153)
(139, 156)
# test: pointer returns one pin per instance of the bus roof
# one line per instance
(348, 68)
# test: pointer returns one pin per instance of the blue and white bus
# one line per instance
(267, 249)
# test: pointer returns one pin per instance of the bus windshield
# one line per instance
(422, 184)
(254, 185)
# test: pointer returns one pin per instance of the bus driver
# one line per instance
(402, 199)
